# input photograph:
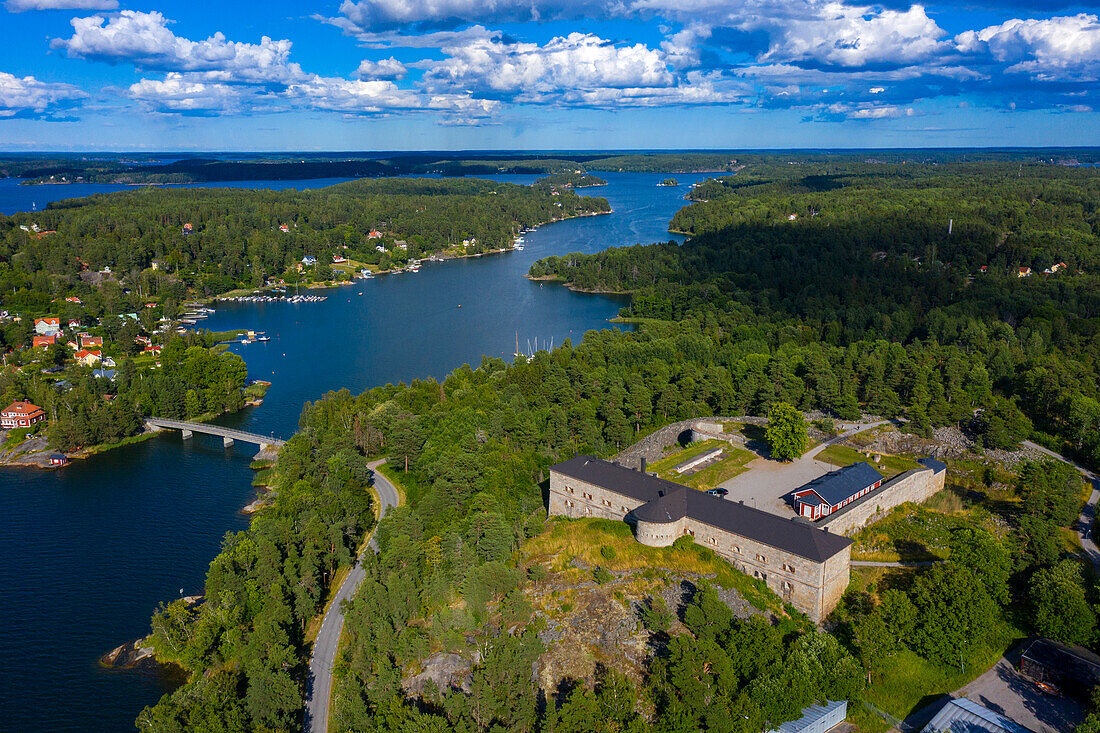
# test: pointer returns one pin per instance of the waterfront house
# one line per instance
(88, 357)
(338, 260)
(21, 414)
(48, 326)
(58, 459)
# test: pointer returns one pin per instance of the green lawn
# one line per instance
(732, 464)
(910, 533)
(562, 540)
(907, 678)
(888, 466)
(15, 437)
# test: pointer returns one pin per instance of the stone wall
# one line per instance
(916, 486)
(653, 446)
(570, 497)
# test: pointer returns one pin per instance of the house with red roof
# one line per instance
(47, 326)
(88, 357)
(21, 414)
(41, 342)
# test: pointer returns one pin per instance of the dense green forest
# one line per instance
(235, 238)
(877, 270)
(150, 168)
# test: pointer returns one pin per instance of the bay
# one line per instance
(86, 553)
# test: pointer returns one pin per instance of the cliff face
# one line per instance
(588, 626)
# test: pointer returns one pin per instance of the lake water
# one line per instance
(86, 553)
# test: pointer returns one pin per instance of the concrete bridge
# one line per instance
(228, 435)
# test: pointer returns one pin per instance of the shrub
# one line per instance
(607, 552)
(602, 575)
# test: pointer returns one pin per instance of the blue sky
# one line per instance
(136, 75)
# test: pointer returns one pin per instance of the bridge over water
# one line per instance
(228, 435)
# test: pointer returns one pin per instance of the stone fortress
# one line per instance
(806, 565)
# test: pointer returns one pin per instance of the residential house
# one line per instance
(284, 229)
(338, 260)
(309, 260)
(58, 459)
(73, 323)
(88, 357)
(374, 234)
(983, 269)
(48, 326)
(41, 342)
(401, 244)
(21, 414)
(1023, 272)
(87, 342)
(1058, 267)
(187, 229)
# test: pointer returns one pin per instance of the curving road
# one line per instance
(1088, 512)
(319, 683)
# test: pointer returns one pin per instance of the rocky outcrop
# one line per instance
(131, 655)
(445, 670)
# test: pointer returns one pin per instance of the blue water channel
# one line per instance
(87, 552)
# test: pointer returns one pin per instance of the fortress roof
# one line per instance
(665, 502)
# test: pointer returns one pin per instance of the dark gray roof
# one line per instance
(663, 499)
(836, 486)
(932, 463)
(1071, 661)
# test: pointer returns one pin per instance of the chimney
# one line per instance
(642, 469)
(825, 528)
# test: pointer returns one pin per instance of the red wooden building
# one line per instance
(835, 490)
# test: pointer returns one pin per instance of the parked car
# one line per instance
(717, 492)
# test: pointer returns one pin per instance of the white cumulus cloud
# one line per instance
(578, 61)
(1063, 48)
(145, 40)
(389, 68)
(29, 97)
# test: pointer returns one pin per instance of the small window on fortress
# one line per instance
(737, 549)
(570, 489)
(761, 558)
(712, 540)
(788, 567)
(606, 502)
(787, 585)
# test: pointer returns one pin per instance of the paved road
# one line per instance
(766, 482)
(1088, 512)
(319, 684)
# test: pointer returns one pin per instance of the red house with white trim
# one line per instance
(21, 414)
(835, 490)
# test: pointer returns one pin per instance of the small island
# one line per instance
(571, 179)
(669, 182)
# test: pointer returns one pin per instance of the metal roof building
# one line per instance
(817, 718)
(825, 494)
(966, 716)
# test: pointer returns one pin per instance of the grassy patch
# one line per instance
(15, 437)
(888, 466)
(663, 467)
(563, 540)
(125, 441)
(909, 533)
(731, 465)
(907, 679)
(256, 390)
